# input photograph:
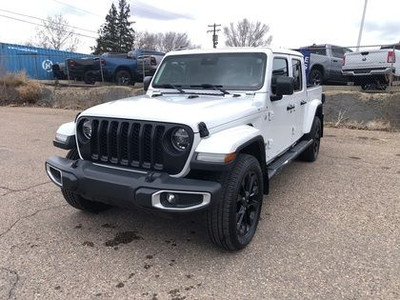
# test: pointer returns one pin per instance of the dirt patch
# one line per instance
(82, 98)
(343, 108)
(18, 90)
(380, 111)
(123, 238)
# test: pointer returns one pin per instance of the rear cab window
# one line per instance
(297, 73)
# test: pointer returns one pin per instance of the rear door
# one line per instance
(298, 99)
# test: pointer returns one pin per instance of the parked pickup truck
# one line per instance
(211, 131)
(325, 63)
(110, 67)
(373, 69)
(151, 60)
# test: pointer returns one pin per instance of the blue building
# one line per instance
(36, 62)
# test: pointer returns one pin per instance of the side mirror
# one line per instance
(146, 82)
(283, 85)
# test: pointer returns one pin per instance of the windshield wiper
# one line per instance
(172, 86)
(211, 86)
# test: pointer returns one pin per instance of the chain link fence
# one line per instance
(45, 64)
(372, 67)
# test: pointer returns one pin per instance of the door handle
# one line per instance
(303, 102)
(290, 107)
(335, 60)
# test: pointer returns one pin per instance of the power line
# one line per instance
(25, 21)
(40, 19)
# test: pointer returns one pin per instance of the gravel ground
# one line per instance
(329, 230)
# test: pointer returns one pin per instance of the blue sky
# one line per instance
(293, 23)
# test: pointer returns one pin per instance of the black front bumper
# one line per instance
(119, 187)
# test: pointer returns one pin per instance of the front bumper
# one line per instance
(123, 188)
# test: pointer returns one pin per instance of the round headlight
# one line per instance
(180, 139)
(87, 129)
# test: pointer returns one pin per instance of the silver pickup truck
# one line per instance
(373, 69)
(325, 63)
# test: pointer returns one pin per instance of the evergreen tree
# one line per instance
(116, 34)
(125, 32)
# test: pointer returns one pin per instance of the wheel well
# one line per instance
(256, 149)
(123, 68)
(319, 113)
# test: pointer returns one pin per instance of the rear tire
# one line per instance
(89, 77)
(232, 220)
(311, 153)
(124, 77)
(315, 77)
(78, 201)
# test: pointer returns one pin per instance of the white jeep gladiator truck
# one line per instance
(211, 131)
(373, 69)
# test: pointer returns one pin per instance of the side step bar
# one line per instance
(276, 166)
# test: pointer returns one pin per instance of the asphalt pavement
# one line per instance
(328, 230)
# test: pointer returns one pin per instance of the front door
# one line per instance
(279, 118)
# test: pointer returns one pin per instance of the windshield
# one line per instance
(230, 71)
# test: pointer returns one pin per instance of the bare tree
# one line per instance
(55, 33)
(163, 41)
(174, 40)
(247, 34)
(146, 40)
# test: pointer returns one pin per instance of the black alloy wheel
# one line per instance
(247, 205)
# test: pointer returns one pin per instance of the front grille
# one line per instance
(132, 144)
(127, 143)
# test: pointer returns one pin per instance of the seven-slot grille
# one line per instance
(127, 143)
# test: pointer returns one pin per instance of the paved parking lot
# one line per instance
(329, 230)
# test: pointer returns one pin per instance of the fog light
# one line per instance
(172, 198)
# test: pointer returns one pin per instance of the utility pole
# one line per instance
(362, 25)
(214, 32)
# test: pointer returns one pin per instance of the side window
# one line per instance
(320, 50)
(338, 52)
(279, 68)
(297, 75)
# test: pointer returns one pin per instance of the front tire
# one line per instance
(232, 220)
(78, 201)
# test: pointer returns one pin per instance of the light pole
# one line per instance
(362, 25)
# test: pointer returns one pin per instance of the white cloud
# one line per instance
(293, 23)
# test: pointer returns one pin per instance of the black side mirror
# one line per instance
(146, 82)
(283, 85)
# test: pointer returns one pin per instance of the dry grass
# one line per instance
(13, 79)
(30, 92)
(376, 125)
(17, 88)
